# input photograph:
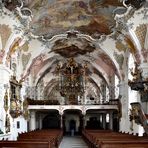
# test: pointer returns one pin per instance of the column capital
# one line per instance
(32, 114)
(84, 113)
(61, 113)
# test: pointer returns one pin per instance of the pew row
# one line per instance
(24, 144)
(109, 139)
(35, 139)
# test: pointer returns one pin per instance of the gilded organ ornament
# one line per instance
(72, 80)
(25, 110)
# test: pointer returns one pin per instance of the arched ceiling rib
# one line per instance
(49, 66)
(46, 60)
(84, 29)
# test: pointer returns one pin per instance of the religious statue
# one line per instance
(137, 82)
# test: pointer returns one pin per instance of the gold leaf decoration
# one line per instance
(130, 44)
(25, 47)
(25, 110)
(120, 46)
(14, 46)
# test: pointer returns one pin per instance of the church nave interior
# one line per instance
(74, 71)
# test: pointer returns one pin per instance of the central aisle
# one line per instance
(73, 142)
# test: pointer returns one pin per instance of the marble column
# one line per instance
(32, 121)
(124, 99)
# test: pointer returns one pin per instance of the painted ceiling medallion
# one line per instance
(91, 17)
(73, 46)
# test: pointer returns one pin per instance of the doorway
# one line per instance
(72, 123)
(72, 127)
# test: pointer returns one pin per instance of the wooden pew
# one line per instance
(24, 144)
(52, 136)
(107, 139)
(123, 144)
(35, 139)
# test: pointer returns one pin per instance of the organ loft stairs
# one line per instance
(139, 116)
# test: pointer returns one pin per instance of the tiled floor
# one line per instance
(73, 142)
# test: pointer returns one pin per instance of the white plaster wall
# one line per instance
(124, 93)
(12, 135)
(14, 130)
(137, 129)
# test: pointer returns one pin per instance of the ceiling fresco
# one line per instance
(73, 46)
(90, 17)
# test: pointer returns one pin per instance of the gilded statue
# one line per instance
(136, 73)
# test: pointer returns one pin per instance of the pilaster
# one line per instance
(123, 92)
(32, 121)
(111, 120)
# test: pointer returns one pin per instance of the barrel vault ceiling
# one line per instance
(96, 32)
